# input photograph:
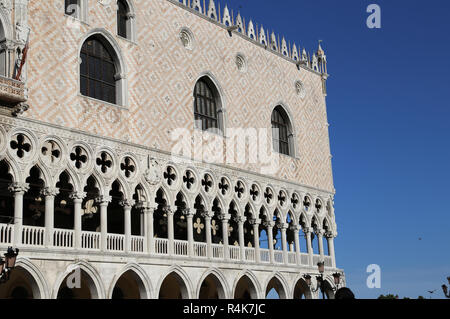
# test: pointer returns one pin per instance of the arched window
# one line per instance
(98, 71)
(281, 132)
(124, 20)
(207, 106)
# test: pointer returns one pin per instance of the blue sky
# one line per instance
(389, 114)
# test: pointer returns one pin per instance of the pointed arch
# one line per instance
(276, 281)
(126, 16)
(139, 275)
(27, 277)
(5, 35)
(246, 286)
(219, 280)
(92, 278)
(207, 90)
(103, 38)
(178, 277)
(301, 289)
(283, 130)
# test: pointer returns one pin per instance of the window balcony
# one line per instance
(12, 92)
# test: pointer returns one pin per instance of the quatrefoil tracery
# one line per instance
(21, 145)
(268, 195)
(189, 179)
(79, 157)
(254, 192)
(295, 200)
(128, 167)
(170, 175)
(51, 152)
(282, 198)
(207, 183)
(104, 162)
(224, 186)
(239, 189)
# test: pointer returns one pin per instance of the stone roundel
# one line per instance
(300, 89)
(225, 187)
(241, 62)
(51, 152)
(270, 196)
(190, 180)
(208, 183)
(187, 38)
(128, 167)
(104, 163)
(21, 146)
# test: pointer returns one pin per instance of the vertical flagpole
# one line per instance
(24, 57)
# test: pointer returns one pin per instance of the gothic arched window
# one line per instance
(281, 132)
(98, 71)
(124, 20)
(207, 106)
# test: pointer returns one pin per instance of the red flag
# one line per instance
(24, 58)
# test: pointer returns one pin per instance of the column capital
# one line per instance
(225, 217)
(284, 226)
(168, 210)
(240, 219)
(127, 203)
(295, 228)
(254, 221)
(145, 206)
(19, 187)
(188, 212)
(319, 232)
(330, 234)
(307, 230)
(205, 214)
(78, 195)
(269, 223)
(50, 191)
(103, 200)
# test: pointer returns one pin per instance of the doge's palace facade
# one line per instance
(161, 149)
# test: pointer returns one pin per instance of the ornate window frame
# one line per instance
(119, 61)
(292, 136)
(220, 103)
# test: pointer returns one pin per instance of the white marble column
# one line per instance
(255, 223)
(284, 244)
(127, 206)
(170, 228)
(103, 202)
(77, 202)
(19, 189)
(148, 234)
(307, 232)
(296, 230)
(49, 193)
(319, 235)
(225, 218)
(190, 230)
(270, 226)
(330, 239)
(208, 219)
(241, 221)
